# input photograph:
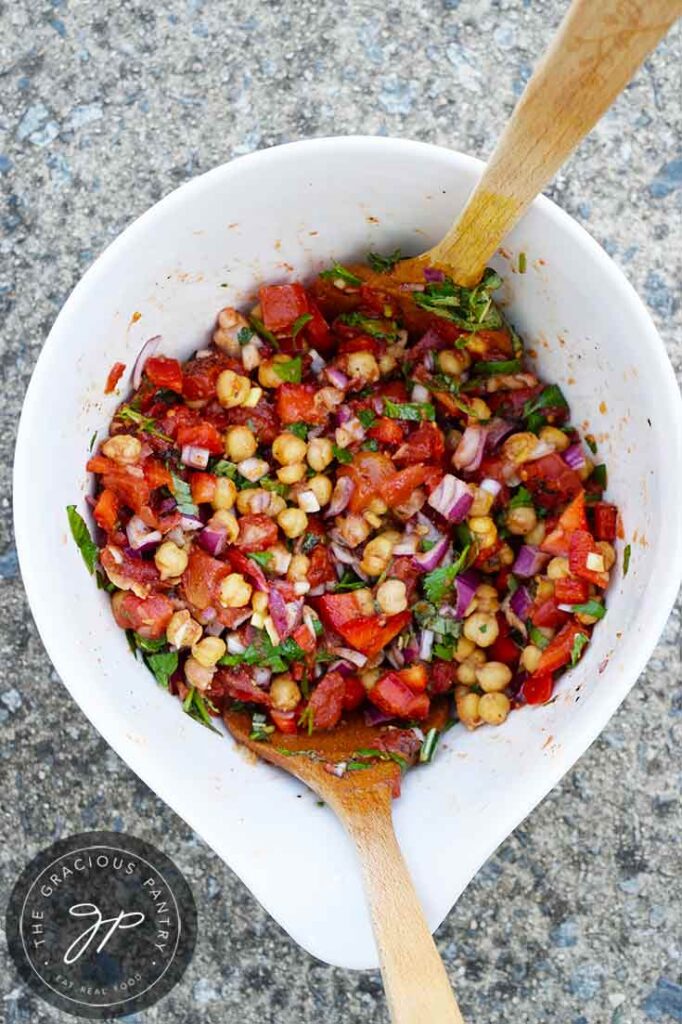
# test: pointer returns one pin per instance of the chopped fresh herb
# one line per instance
(522, 263)
(244, 335)
(264, 653)
(551, 397)
(428, 747)
(349, 581)
(130, 637)
(147, 645)
(521, 499)
(299, 323)
(512, 584)
(537, 638)
(224, 468)
(370, 446)
(144, 423)
(299, 430)
(414, 411)
(183, 496)
(92, 441)
(340, 273)
(599, 476)
(470, 308)
(289, 371)
(306, 719)
(627, 553)
(103, 583)
(591, 443)
(438, 583)
(370, 325)
(260, 329)
(367, 417)
(342, 454)
(464, 535)
(262, 558)
(373, 753)
(260, 730)
(427, 545)
(290, 650)
(579, 641)
(318, 628)
(487, 368)
(324, 656)
(310, 541)
(196, 707)
(275, 486)
(162, 665)
(383, 264)
(81, 535)
(593, 608)
(444, 652)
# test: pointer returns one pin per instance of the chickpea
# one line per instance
(466, 673)
(288, 449)
(254, 397)
(209, 651)
(363, 365)
(298, 568)
(284, 693)
(182, 630)
(276, 504)
(467, 705)
(454, 363)
(483, 502)
(521, 521)
(123, 449)
(250, 357)
(555, 437)
(369, 677)
(482, 628)
(519, 447)
(377, 554)
(320, 453)
(253, 469)
(478, 410)
(240, 444)
(387, 364)
(259, 601)
(494, 676)
(234, 591)
(224, 494)
(494, 708)
(558, 569)
(246, 498)
(530, 657)
(464, 648)
(392, 597)
(293, 522)
(608, 554)
(537, 534)
(198, 675)
(170, 560)
(586, 470)
(292, 474)
(230, 323)
(485, 530)
(354, 529)
(321, 486)
(267, 374)
(232, 389)
(227, 521)
(545, 590)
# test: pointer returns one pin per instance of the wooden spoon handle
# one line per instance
(417, 987)
(598, 47)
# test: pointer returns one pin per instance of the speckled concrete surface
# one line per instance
(106, 107)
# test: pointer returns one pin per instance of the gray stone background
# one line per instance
(107, 106)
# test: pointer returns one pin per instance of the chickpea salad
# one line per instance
(358, 498)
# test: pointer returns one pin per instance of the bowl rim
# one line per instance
(669, 563)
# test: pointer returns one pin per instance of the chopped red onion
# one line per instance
(465, 590)
(407, 545)
(428, 560)
(176, 535)
(495, 431)
(342, 555)
(395, 656)
(148, 349)
(429, 361)
(406, 286)
(214, 628)
(336, 378)
(191, 522)
(167, 505)
(426, 644)
(491, 486)
(338, 769)
(431, 274)
(278, 612)
(262, 676)
(139, 535)
(194, 456)
(235, 645)
(213, 539)
(373, 716)
(294, 615)
(343, 491)
(419, 393)
(411, 650)
(529, 561)
(206, 615)
(348, 654)
(574, 456)
(452, 498)
(317, 591)
(317, 363)
(469, 451)
(432, 532)
(429, 342)
(521, 602)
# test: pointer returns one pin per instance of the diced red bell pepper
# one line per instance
(337, 610)
(605, 521)
(425, 445)
(354, 694)
(156, 474)
(202, 578)
(321, 568)
(316, 331)
(164, 373)
(394, 697)
(148, 616)
(571, 519)
(282, 305)
(548, 614)
(415, 676)
(115, 374)
(284, 721)
(304, 638)
(370, 472)
(505, 650)
(537, 689)
(386, 431)
(100, 464)
(326, 701)
(582, 545)
(399, 487)
(201, 435)
(443, 677)
(133, 491)
(296, 404)
(106, 511)
(550, 480)
(202, 486)
(359, 343)
(571, 591)
(558, 651)
(371, 634)
(256, 533)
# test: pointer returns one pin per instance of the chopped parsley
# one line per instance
(310, 541)
(81, 535)
(162, 665)
(599, 476)
(537, 638)
(627, 554)
(339, 273)
(383, 264)
(374, 754)
(414, 411)
(349, 581)
(428, 747)
(551, 397)
(342, 454)
(289, 371)
(487, 368)
(183, 496)
(306, 719)
(369, 325)
(197, 706)
(264, 653)
(275, 486)
(472, 309)
(438, 583)
(591, 443)
(367, 417)
(92, 441)
(593, 608)
(260, 329)
(521, 499)
(244, 335)
(143, 423)
(260, 730)
(262, 558)
(370, 446)
(579, 642)
(522, 263)
(299, 430)
(299, 323)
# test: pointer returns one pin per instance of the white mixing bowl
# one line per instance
(282, 214)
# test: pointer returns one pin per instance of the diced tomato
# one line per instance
(415, 676)
(571, 591)
(403, 568)
(326, 701)
(509, 404)
(393, 389)
(247, 567)
(582, 545)
(378, 302)
(238, 684)
(399, 487)
(106, 511)
(443, 677)
(199, 376)
(202, 435)
(256, 533)
(284, 721)
(550, 480)
(127, 572)
(202, 486)
(262, 419)
(202, 578)
(304, 638)
(147, 616)
(386, 431)
(571, 519)
(282, 304)
(399, 741)
(316, 330)
(505, 650)
(296, 404)
(394, 697)
(115, 374)
(354, 693)
(548, 615)
(558, 651)
(372, 633)
(605, 521)
(537, 689)
(164, 373)
(100, 464)
(425, 445)
(502, 580)
(133, 491)
(360, 343)
(369, 472)
(321, 568)
(156, 474)
(337, 610)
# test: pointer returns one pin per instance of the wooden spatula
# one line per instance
(597, 49)
(417, 987)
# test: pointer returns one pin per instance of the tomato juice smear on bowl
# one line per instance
(358, 499)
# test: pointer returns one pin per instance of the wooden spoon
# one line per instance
(417, 987)
(596, 51)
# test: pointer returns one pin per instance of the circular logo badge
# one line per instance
(101, 924)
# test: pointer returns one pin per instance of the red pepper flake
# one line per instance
(115, 374)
